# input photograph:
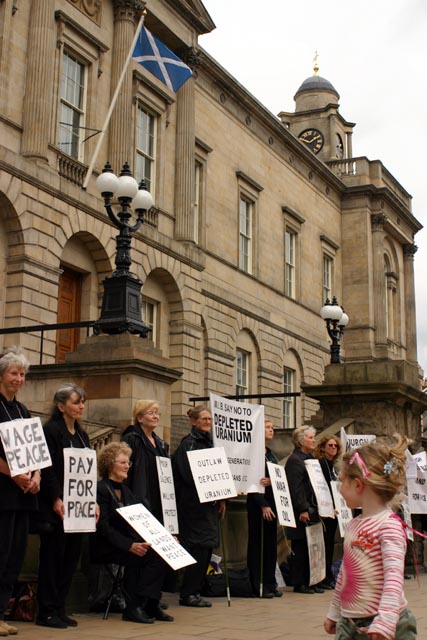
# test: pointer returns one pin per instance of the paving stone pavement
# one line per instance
(294, 616)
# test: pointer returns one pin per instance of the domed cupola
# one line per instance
(315, 92)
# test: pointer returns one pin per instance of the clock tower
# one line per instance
(317, 122)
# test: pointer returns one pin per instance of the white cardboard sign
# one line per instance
(239, 428)
(325, 504)
(152, 531)
(167, 494)
(282, 496)
(24, 445)
(316, 552)
(344, 514)
(80, 479)
(211, 474)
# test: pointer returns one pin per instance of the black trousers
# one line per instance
(269, 550)
(195, 574)
(300, 563)
(143, 576)
(59, 556)
(329, 538)
(13, 542)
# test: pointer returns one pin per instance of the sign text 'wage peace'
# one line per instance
(24, 445)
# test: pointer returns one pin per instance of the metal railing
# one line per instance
(42, 328)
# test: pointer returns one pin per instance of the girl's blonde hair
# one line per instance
(381, 466)
(141, 407)
(108, 454)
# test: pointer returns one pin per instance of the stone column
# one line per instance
(409, 251)
(379, 291)
(120, 149)
(184, 156)
(38, 89)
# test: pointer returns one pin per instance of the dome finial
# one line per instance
(315, 64)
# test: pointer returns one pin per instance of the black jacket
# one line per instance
(52, 484)
(12, 498)
(113, 533)
(302, 494)
(198, 522)
(143, 479)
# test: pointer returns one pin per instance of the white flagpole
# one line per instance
(113, 103)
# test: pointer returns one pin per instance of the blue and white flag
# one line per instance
(154, 56)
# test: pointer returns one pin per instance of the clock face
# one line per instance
(339, 146)
(313, 139)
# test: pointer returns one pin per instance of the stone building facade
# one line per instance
(257, 219)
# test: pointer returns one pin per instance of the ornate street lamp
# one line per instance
(336, 321)
(121, 302)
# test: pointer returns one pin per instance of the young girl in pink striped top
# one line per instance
(368, 601)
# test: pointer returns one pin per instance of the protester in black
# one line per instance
(59, 551)
(198, 522)
(18, 494)
(262, 530)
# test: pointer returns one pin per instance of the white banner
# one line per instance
(24, 445)
(344, 514)
(239, 428)
(211, 474)
(282, 496)
(150, 529)
(316, 553)
(351, 441)
(417, 483)
(167, 494)
(325, 504)
(80, 477)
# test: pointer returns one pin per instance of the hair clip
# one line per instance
(391, 466)
(356, 457)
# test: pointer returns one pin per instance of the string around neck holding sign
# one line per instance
(8, 414)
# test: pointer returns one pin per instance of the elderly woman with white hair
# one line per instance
(305, 507)
(17, 494)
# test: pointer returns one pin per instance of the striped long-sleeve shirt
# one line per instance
(370, 582)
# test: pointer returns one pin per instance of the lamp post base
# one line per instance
(121, 307)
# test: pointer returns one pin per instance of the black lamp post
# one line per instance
(121, 302)
(336, 321)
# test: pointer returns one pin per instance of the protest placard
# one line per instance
(325, 504)
(167, 494)
(353, 441)
(150, 530)
(239, 428)
(344, 514)
(79, 499)
(417, 483)
(316, 553)
(24, 445)
(211, 474)
(281, 494)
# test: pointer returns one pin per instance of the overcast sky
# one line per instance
(374, 52)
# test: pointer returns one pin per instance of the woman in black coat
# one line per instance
(116, 542)
(304, 505)
(328, 451)
(262, 529)
(143, 479)
(18, 494)
(198, 522)
(59, 551)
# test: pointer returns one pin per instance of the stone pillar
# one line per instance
(38, 89)
(409, 251)
(120, 150)
(379, 292)
(184, 156)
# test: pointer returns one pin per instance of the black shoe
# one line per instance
(70, 622)
(303, 589)
(153, 609)
(326, 586)
(194, 601)
(268, 594)
(54, 622)
(318, 589)
(277, 593)
(137, 615)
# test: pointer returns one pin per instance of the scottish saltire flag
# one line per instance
(154, 56)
